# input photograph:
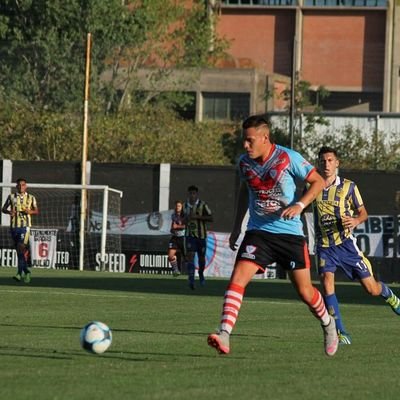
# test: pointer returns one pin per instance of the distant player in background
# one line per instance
(197, 215)
(176, 245)
(20, 206)
(274, 230)
(338, 209)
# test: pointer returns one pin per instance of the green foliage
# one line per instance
(43, 47)
(155, 135)
(303, 97)
(42, 73)
(29, 134)
(42, 51)
(379, 151)
(376, 151)
(146, 134)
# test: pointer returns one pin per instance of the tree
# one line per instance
(303, 102)
(42, 48)
(379, 151)
(137, 46)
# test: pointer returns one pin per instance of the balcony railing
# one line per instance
(260, 2)
(308, 3)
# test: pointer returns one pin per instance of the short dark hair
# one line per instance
(327, 149)
(193, 188)
(19, 180)
(255, 121)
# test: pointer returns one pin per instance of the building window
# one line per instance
(225, 106)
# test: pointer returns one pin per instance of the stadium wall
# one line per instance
(142, 185)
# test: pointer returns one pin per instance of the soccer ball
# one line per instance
(96, 337)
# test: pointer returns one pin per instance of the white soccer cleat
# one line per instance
(331, 339)
(220, 342)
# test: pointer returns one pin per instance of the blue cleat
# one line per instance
(344, 337)
(394, 302)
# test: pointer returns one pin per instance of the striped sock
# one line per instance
(232, 303)
(174, 264)
(317, 307)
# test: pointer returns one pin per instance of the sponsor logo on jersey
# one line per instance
(250, 249)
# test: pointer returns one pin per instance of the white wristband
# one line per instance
(301, 204)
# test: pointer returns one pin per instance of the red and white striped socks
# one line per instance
(232, 303)
(317, 307)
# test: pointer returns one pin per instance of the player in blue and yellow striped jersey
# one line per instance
(198, 214)
(339, 208)
(20, 206)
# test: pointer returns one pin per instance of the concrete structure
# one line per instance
(351, 47)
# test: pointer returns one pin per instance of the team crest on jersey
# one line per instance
(249, 253)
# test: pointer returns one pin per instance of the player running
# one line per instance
(274, 231)
(338, 209)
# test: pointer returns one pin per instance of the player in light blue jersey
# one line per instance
(274, 232)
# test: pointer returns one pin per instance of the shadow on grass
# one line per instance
(276, 289)
(119, 330)
(53, 354)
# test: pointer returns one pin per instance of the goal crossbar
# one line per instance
(7, 188)
(65, 186)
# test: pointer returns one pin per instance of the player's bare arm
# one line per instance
(316, 184)
(350, 222)
(7, 209)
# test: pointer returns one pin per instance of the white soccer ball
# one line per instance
(96, 337)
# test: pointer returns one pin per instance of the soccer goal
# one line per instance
(66, 235)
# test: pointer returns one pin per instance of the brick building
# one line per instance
(350, 47)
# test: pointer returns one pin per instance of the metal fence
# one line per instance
(366, 123)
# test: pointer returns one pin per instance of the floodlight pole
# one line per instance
(293, 93)
(84, 156)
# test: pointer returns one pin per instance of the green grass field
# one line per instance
(159, 348)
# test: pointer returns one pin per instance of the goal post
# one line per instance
(60, 213)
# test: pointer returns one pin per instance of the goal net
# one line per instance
(64, 234)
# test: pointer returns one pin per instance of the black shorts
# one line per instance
(177, 243)
(264, 248)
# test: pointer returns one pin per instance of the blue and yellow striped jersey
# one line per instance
(197, 228)
(20, 202)
(340, 199)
